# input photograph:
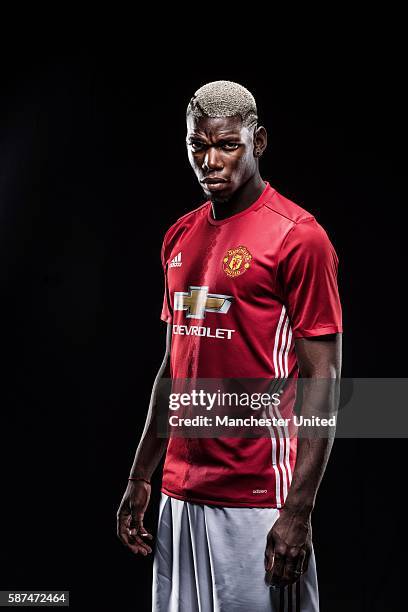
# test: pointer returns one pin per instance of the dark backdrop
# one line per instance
(93, 170)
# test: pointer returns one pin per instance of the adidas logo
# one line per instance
(176, 261)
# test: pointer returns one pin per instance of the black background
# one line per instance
(93, 170)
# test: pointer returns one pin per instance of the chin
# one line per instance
(216, 196)
(219, 198)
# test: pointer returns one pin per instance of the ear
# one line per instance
(260, 141)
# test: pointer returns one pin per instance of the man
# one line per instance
(250, 292)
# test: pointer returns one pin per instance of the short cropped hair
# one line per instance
(224, 99)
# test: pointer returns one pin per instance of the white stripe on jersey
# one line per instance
(288, 345)
(275, 348)
(282, 347)
(283, 440)
(280, 359)
(271, 430)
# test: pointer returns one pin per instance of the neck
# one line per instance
(241, 199)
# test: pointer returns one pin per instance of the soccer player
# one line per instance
(250, 292)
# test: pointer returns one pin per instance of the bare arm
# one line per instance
(289, 541)
(151, 448)
(317, 358)
(130, 528)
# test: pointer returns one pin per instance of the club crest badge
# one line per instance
(236, 261)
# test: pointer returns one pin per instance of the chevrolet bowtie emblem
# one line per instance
(197, 301)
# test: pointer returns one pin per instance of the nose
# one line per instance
(212, 160)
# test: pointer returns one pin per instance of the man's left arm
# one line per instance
(290, 539)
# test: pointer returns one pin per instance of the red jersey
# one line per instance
(238, 291)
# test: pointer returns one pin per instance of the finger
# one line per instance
(294, 570)
(129, 536)
(122, 526)
(291, 570)
(140, 532)
(140, 528)
(130, 530)
(135, 539)
(306, 560)
(142, 544)
(125, 538)
(135, 543)
(302, 565)
(275, 575)
(137, 533)
(136, 548)
(269, 559)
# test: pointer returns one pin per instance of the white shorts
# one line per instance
(211, 559)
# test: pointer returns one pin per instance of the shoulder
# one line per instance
(308, 245)
(183, 224)
(286, 210)
(299, 227)
(307, 235)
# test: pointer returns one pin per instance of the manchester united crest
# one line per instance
(236, 261)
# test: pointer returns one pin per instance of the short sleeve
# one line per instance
(307, 276)
(166, 312)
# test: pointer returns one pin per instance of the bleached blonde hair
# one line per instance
(224, 99)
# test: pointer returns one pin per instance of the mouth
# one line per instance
(213, 179)
(214, 183)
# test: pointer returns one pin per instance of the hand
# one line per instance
(130, 529)
(288, 548)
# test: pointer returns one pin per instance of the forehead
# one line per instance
(215, 126)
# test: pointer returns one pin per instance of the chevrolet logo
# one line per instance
(197, 301)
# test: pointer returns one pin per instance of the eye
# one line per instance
(230, 146)
(197, 145)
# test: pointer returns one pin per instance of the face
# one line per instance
(221, 153)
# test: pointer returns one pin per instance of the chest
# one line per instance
(227, 260)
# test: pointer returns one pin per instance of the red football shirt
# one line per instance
(238, 291)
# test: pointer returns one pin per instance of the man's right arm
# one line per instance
(151, 448)
(130, 528)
